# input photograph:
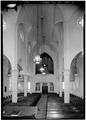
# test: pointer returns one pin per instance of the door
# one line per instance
(44, 89)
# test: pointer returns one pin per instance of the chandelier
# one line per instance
(44, 73)
(42, 69)
(37, 58)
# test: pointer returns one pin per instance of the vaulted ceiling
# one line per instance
(46, 21)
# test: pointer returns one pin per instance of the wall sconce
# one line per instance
(80, 22)
(19, 76)
(9, 74)
(4, 25)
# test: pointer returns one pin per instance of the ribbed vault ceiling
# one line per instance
(49, 28)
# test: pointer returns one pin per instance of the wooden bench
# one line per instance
(24, 111)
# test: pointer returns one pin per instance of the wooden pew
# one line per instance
(24, 111)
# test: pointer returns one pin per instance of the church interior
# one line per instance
(43, 59)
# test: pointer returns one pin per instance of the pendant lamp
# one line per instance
(37, 58)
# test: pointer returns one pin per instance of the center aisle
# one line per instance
(42, 105)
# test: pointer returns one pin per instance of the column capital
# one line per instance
(66, 70)
(66, 22)
(25, 76)
(15, 71)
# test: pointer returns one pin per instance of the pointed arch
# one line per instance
(47, 63)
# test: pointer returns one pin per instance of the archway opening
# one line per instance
(46, 64)
(7, 73)
(76, 75)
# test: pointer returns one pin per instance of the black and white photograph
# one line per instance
(42, 60)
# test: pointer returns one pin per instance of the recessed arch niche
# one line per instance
(7, 73)
(76, 75)
(46, 63)
(6, 65)
(76, 66)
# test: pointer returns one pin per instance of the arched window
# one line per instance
(46, 64)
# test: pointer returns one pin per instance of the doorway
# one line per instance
(44, 89)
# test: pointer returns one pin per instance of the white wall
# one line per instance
(44, 79)
(9, 35)
(75, 36)
(75, 89)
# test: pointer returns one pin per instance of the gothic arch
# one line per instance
(6, 65)
(47, 64)
(76, 66)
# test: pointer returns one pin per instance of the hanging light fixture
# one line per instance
(42, 69)
(11, 5)
(4, 25)
(43, 73)
(37, 58)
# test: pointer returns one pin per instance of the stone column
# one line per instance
(66, 62)
(41, 87)
(81, 85)
(25, 85)
(66, 86)
(14, 85)
(57, 81)
(48, 87)
(58, 85)
(60, 80)
(31, 84)
(14, 65)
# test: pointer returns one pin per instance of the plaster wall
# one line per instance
(77, 86)
(21, 46)
(9, 34)
(44, 79)
(47, 78)
(75, 36)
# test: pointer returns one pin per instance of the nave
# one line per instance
(43, 59)
(47, 106)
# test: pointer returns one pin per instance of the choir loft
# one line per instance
(43, 57)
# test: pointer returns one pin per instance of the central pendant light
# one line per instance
(11, 5)
(37, 58)
(42, 69)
